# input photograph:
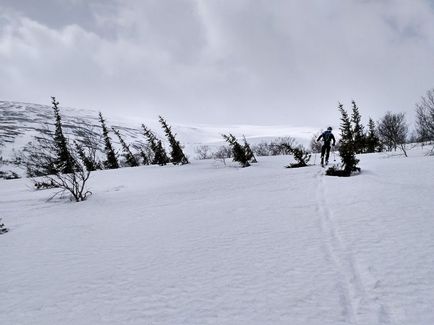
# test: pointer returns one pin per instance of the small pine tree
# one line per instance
(176, 154)
(249, 152)
(3, 228)
(64, 162)
(358, 133)
(143, 152)
(127, 154)
(111, 162)
(156, 146)
(372, 140)
(160, 155)
(87, 161)
(237, 150)
(347, 149)
(152, 142)
(145, 157)
(301, 156)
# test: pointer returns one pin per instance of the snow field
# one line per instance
(208, 244)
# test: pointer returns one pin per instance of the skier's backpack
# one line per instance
(327, 136)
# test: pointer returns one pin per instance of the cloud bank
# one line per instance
(256, 62)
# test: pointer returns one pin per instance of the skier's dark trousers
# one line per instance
(327, 137)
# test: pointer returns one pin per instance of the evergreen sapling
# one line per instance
(156, 146)
(239, 155)
(64, 162)
(347, 149)
(358, 133)
(301, 156)
(88, 162)
(250, 156)
(372, 140)
(111, 162)
(130, 159)
(177, 156)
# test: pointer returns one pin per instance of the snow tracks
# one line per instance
(358, 306)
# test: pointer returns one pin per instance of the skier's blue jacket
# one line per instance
(327, 137)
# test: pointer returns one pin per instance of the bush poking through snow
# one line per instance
(3, 228)
(41, 185)
(334, 171)
(249, 152)
(57, 163)
(203, 152)
(301, 157)
(73, 183)
(9, 175)
(238, 151)
(300, 154)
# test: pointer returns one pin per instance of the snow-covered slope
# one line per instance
(19, 122)
(209, 244)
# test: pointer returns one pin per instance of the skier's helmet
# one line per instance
(329, 128)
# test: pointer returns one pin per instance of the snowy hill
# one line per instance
(19, 122)
(209, 244)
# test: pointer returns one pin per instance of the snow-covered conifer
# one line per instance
(159, 153)
(239, 154)
(372, 140)
(301, 156)
(64, 162)
(111, 161)
(130, 159)
(249, 152)
(358, 132)
(347, 149)
(88, 162)
(177, 156)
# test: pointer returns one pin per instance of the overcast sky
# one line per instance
(207, 61)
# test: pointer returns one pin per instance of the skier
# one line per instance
(327, 137)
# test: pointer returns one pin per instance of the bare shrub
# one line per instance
(261, 149)
(425, 117)
(393, 131)
(222, 153)
(39, 156)
(203, 152)
(315, 146)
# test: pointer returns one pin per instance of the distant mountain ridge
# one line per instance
(20, 122)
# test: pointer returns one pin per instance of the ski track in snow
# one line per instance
(353, 294)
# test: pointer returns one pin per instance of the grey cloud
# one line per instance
(220, 61)
(56, 13)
